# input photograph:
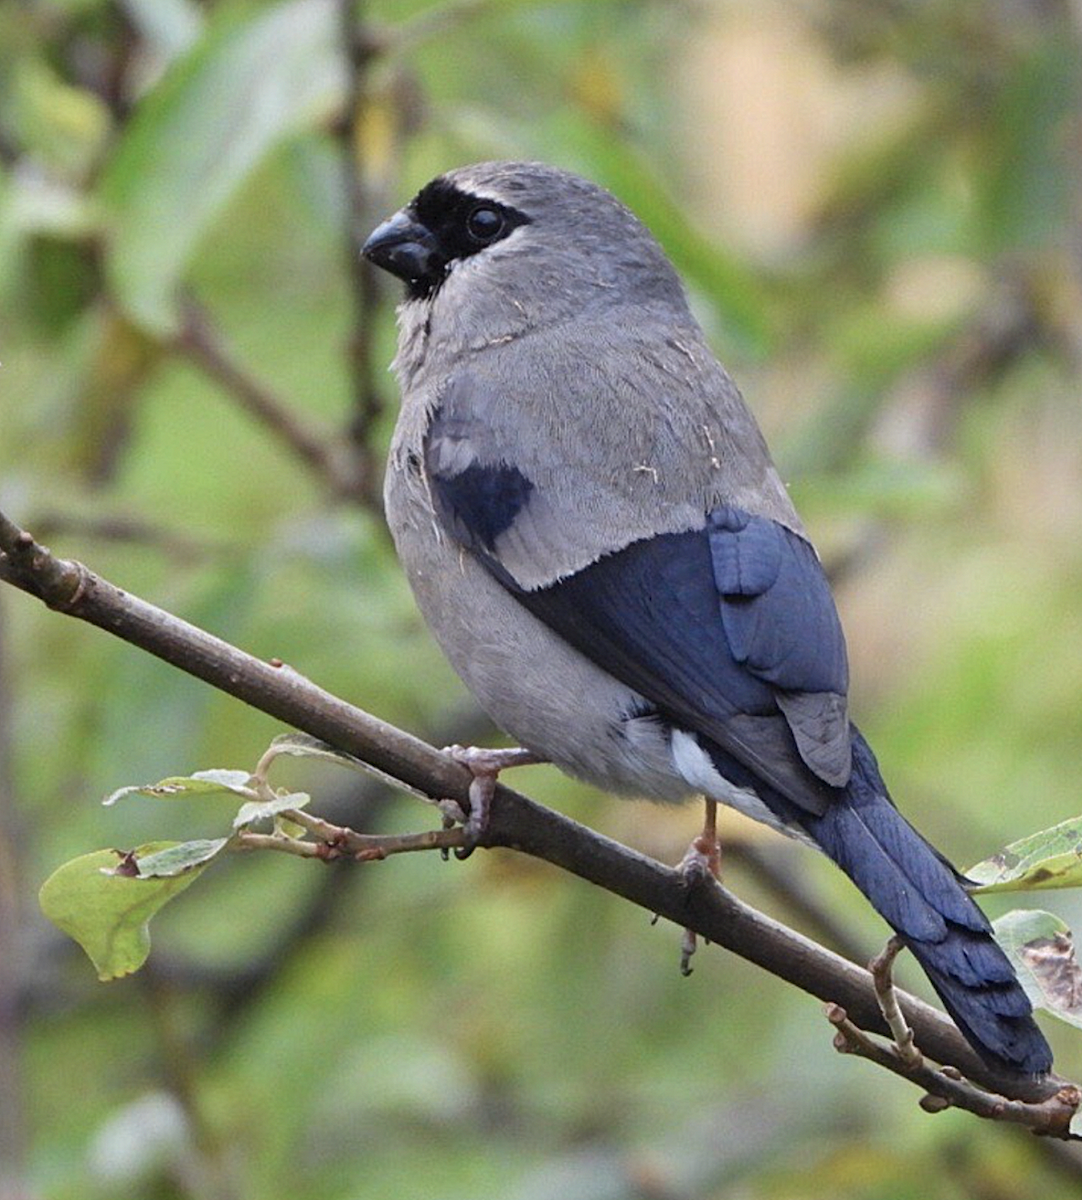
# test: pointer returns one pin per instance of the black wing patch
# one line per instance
(476, 501)
(479, 503)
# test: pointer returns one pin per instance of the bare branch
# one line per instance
(516, 822)
(339, 841)
(132, 531)
(437, 22)
(886, 993)
(946, 1088)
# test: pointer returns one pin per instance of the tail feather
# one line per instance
(1006, 1039)
(1002, 995)
(922, 898)
(976, 962)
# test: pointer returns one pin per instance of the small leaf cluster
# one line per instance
(1039, 944)
(106, 899)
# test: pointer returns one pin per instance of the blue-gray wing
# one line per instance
(729, 629)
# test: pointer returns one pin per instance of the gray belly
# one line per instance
(534, 686)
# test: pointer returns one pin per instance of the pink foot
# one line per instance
(701, 863)
(485, 766)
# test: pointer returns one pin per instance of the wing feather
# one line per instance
(729, 628)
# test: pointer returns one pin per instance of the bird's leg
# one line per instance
(701, 862)
(485, 765)
(880, 967)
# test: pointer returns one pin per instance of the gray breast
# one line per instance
(533, 685)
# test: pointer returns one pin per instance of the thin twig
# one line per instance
(247, 840)
(339, 841)
(949, 1089)
(516, 822)
(887, 995)
(437, 22)
(207, 1171)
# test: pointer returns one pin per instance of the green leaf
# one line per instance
(108, 913)
(262, 810)
(303, 745)
(1041, 950)
(200, 783)
(1049, 859)
(284, 827)
(222, 777)
(246, 85)
(177, 859)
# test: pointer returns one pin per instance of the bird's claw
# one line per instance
(701, 862)
(700, 865)
(689, 943)
(453, 814)
(482, 789)
(485, 765)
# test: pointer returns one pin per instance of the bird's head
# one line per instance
(533, 235)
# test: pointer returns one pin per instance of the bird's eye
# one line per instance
(484, 223)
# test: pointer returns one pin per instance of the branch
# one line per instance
(516, 822)
(199, 341)
(13, 1123)
(946, 1087)
(437, 23)
(887, 995)
(131, 531)
(337, 841)
(359, 46)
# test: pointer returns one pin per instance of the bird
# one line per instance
(595, 533)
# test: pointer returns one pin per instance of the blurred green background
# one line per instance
(877, 207)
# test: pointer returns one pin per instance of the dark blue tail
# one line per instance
(919, 895)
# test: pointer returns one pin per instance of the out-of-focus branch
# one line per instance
(209, 1172)
(131, 531)
(438, 21)
(201, 342)
(516, 822)
(1006, 327)
(776, 876)
(12, 1119)
(360, 45)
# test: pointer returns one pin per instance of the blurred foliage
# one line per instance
(902, 306)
